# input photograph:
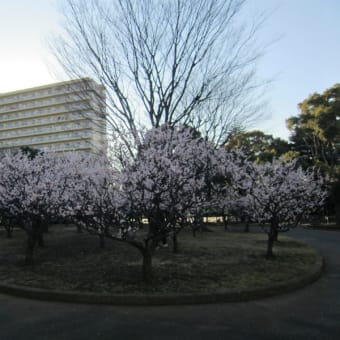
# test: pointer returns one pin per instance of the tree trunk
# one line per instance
(225, 222)
(337, 214)
(270, 254)
(175, 249)
(193, 231)
(31, 241)
(39, 230)
(9, 232)
(271, 239)
(101, 241)
(140, 224)
(246, 228)
(276, 234)
(40, 237)
(46, 228)
(198, 223)
(147, 265)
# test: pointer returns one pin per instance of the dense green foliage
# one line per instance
(316, 129)
(258, 146)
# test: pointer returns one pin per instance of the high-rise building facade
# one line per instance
(66, 116)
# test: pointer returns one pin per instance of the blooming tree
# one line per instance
(29, 194)
(92, 200)
(225, 182)
(175, 176)
(280, 193)
(6, 222)
(170, 176)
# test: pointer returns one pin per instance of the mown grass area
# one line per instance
(211, 261)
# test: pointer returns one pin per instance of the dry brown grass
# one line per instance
(208, 262)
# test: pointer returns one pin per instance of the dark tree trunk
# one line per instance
(225, 222)
(31, 242)
(270, 254)
(337, 214)
(46, 228)
(175, 249)
(246, 228)
(194, 227)
(271, 239)
(9, 232)
(39, 230)
(276, 234)
(194, 231)
(147, 265)
(198, 223)
(203, 224)
(140, 224)
(101, 241)
(40, 238)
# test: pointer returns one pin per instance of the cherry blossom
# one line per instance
(29, 194)
(280, 193)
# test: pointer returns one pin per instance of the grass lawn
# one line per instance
(211, 261)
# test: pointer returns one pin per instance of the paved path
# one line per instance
(309, 313)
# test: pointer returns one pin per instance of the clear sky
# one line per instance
(23, 53)
(304, 58)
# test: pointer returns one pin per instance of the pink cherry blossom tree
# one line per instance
(280, 193)
(29, 194)
(175, 176)
(7, 222)
(225, 199)
(92, 198)
(169, 177)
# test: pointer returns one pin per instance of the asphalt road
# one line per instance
(309, 313)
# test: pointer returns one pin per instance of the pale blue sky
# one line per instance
(305, 58)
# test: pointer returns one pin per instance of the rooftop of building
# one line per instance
(85, 80)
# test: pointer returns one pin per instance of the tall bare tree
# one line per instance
(164, 61)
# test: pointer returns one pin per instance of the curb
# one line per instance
(231, 295)
(322, 228)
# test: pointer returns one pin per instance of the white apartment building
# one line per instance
(66, 116)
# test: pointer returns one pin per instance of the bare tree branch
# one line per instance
(164, 61)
